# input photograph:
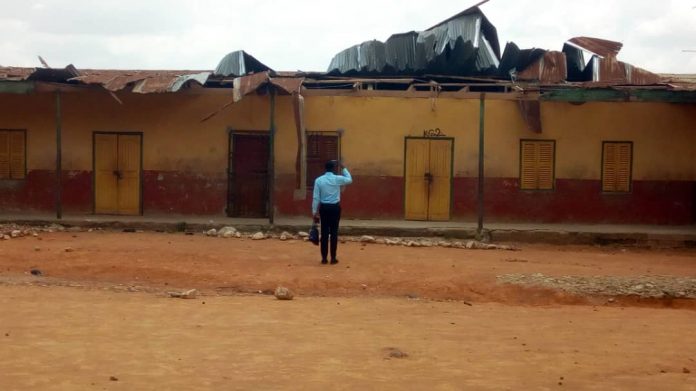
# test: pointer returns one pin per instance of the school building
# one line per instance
(249, 142)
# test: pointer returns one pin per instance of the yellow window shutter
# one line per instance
(4, 154)
(609, 167)
(528, 169)
(623, 172)
(616, 171)
(545, 165)
(17, 155)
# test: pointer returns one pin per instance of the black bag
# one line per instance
(314, 234)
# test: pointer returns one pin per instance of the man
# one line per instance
(326, 206)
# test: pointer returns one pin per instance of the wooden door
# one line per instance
(439, 199)
(428, 178)
(129, 174)
(117, 173)
(105, 168)
(417, 166)
(249, 176)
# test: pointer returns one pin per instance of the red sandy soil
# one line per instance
(337, 333)
(176, 261)
(55, 338)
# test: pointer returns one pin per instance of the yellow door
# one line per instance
(117, 174)
(417, 165)
(129, 174)
(440, 180)
(428, 179)
(105, 168)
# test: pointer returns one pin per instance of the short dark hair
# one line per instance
(330, 166)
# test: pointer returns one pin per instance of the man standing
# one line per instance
(326, 206)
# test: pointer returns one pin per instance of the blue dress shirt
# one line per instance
(327, 188)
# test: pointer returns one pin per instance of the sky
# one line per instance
(305, 34)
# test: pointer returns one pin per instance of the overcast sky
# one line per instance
(305, 34)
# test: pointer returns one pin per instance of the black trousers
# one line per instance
(330, 215)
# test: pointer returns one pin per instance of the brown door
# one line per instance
(248, 176)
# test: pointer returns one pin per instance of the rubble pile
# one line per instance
(659, 287)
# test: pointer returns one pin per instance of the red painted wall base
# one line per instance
(375, 197)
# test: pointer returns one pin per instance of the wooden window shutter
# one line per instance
(4, 154)
(537, 165)
(616, 168)
(17, 155)
(528, 170)
(320, 149)
(623, 173)
(545, 156)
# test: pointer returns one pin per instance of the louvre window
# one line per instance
(617, 161)
(537, 164)
(321, 147)
(12, 154)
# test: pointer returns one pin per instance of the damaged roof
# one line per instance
(465, 44)
(138, 81)
(459, 54)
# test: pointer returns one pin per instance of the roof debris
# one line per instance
(239, 63)
(466, 44)
(458, 55)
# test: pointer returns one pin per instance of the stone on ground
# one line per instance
(395, 353)
(212, 232)
(258, 236)
(283, 293)
(188, 294)
(285, 236)
(227, 232)
(367, 239)
(303, 234)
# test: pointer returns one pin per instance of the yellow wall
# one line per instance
(373, 142)
(664, 134)
(175, 139)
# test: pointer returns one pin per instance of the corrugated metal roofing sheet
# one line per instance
(602, 47)
(466, 44)
(549, 69)
(239, 63)
(113, 80)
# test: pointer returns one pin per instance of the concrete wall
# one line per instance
(185, 161)
(664, 168)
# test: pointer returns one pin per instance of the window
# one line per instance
(537, 164)
(321, 147)
(12, 154)
(617, 162)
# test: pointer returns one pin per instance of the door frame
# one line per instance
(230, 163)
(94, 168)
(451, 171)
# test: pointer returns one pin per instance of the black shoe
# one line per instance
(334, 261)
(324, 261)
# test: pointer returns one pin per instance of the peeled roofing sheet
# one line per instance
(549, 69)
(602, 47)
(239, 63)
(462, 45)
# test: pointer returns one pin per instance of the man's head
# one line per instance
(330, 166)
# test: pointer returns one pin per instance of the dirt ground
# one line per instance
(100, 309)
(176, 261)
